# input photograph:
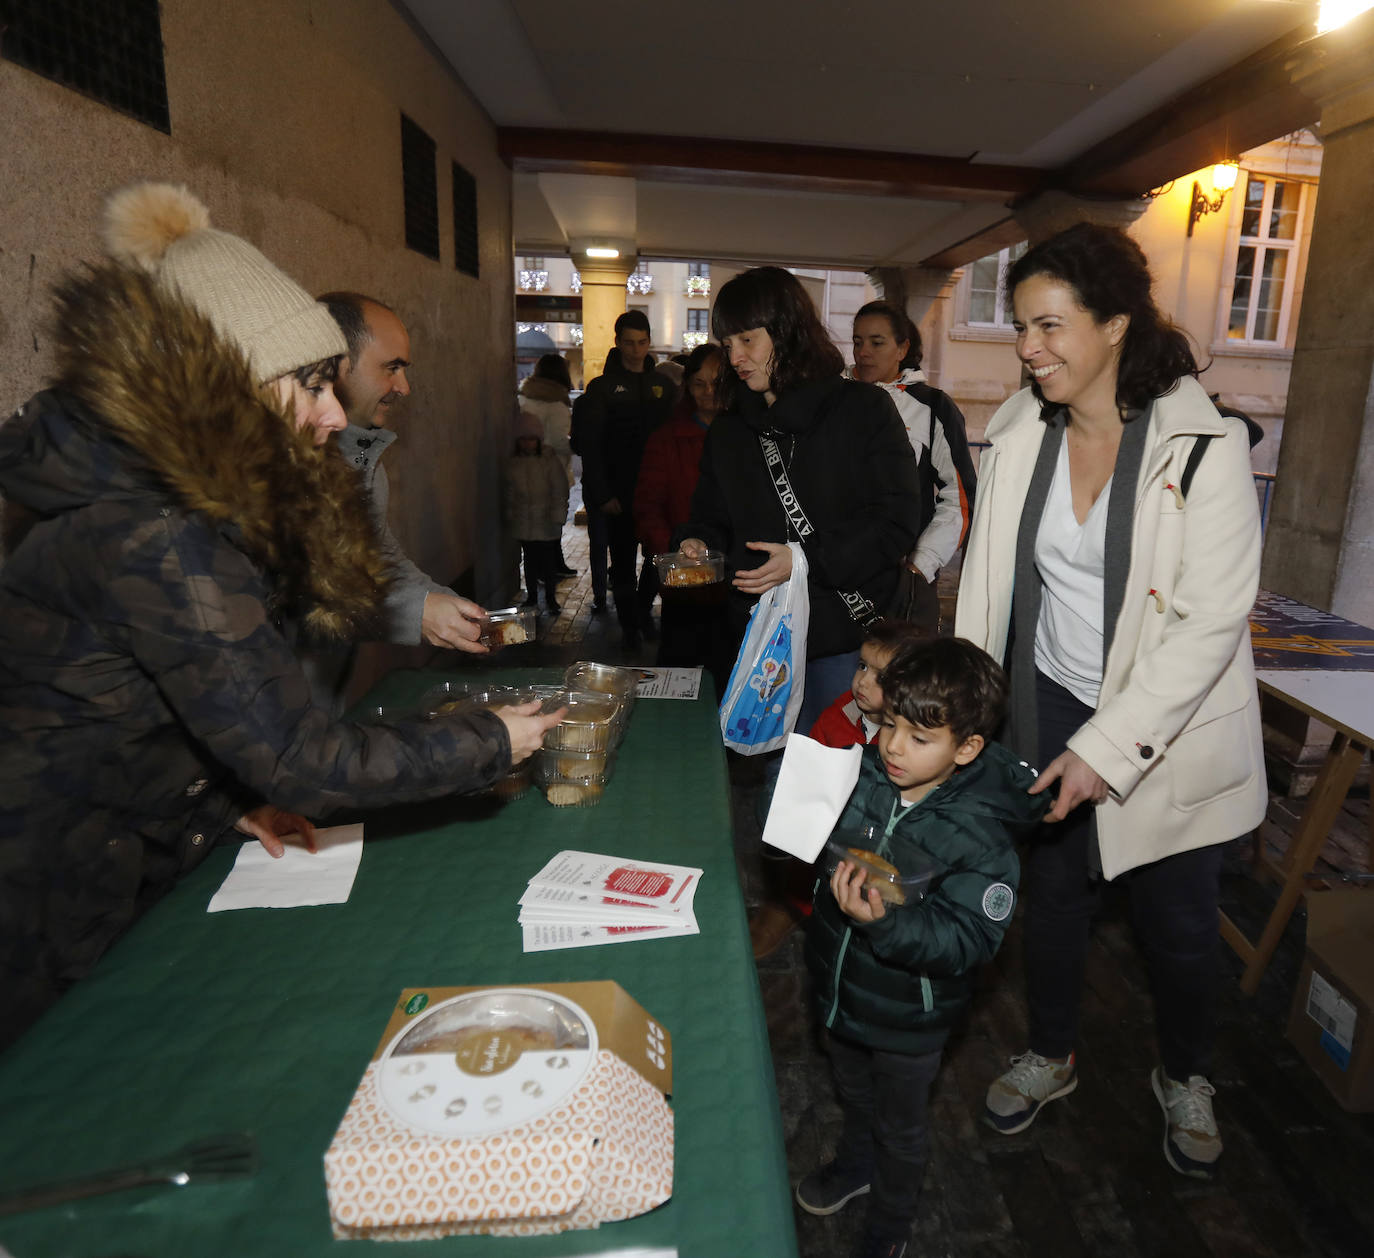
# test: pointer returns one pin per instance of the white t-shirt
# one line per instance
(1071, 559)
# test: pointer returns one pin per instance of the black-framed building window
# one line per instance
(110, 50)
(698, 320)
(466, 250)
(421, 186)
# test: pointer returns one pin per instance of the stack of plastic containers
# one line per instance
(578, 756)
(449, 697)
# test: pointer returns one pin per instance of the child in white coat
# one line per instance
(536, 506)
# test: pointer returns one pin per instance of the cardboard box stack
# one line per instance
(1334, 1001)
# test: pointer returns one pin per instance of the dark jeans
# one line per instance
(1173, 909)
(596, 552)
(541, 568)
(633, 597)
(884, 1098)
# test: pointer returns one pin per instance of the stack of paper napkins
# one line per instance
(583, 898)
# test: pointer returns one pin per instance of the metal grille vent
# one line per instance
(465, 248)
(107, 49)
(421, 179)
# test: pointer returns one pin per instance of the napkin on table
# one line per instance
(297, 878)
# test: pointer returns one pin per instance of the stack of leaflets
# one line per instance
(583, 898)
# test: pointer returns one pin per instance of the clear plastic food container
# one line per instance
(904, 886)
(677, 570)
(509, 626)
(560, 765)
(583, 793)
(593, 722)
(449, 697)
(604, 679)
(513, 784)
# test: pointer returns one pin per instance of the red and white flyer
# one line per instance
(594, 878)
(551, 936)
(561, 904)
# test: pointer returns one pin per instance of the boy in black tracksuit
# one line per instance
(890, 979)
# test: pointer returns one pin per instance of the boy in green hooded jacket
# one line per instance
(893, 969)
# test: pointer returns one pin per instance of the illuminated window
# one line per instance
(1271, 223)
(988, 298)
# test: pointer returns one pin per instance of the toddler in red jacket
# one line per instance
(853, 717)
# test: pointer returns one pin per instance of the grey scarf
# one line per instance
(1021, 729)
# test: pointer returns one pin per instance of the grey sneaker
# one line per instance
(1191, 1143)
(830, 1188)
(1015, 1099)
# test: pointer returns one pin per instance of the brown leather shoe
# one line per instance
(769, 926)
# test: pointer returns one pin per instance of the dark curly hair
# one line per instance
(1109, 275)
(946, 681)
(773, 299)
(902, 329)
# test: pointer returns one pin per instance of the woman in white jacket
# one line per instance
(1116, 584)
(545, 396)
(887, 352)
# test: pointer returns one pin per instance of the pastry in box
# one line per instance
(506, 1111)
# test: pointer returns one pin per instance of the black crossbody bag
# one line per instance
(860, 608)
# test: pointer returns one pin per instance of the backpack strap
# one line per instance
(1190, 467)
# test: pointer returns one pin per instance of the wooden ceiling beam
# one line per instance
(1248, 104)
(751, 164)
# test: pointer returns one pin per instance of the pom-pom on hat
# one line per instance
(164, 230)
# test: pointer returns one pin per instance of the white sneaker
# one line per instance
(1015, 1098)
(1191, 1143)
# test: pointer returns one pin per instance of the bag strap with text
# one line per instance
(860, 608)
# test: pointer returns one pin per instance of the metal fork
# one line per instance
(231, 1156)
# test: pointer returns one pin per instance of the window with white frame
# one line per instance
(1271, 226)
(987, 298)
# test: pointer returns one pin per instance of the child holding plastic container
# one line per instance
(921, 899)
(854, 716)
(536, 506)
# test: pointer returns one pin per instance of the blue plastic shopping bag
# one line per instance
(764, 693)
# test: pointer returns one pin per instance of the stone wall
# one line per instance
(285, 121)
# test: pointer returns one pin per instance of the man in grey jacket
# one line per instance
(371, 380)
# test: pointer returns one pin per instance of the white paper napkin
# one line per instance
(814, 785)
(297, 878)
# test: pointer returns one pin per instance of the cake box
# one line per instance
(514, 1111)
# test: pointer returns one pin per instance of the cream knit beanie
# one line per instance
(272, 319)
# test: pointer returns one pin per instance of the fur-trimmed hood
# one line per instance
(540, 389)
(149, 401)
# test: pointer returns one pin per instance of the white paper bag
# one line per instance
(814, 785)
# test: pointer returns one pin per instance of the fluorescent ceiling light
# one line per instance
(602, 251)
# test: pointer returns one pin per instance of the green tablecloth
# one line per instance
(263, 1020)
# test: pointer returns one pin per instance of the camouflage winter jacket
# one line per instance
(161, 518)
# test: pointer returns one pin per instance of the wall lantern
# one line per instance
(1223, 180)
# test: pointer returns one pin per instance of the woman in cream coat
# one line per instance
(1128, 647)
